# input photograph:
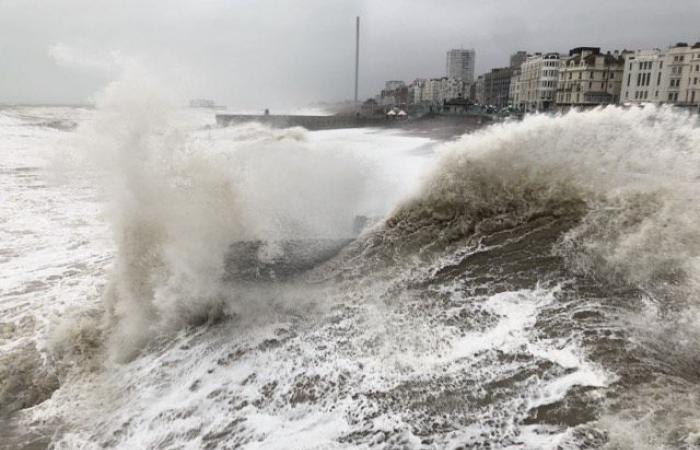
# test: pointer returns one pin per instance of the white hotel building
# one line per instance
(534, 87)
(643, 76)
(663, 77)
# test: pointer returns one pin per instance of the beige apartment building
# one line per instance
(682, 75)
(589, 78)
(663, 77)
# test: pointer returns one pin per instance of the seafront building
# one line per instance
(534, 86)
(683, 74)
(392, 85)
(460, 64)
(437, 90)
(663, 77)
(518, 58)
(514, 94)
(589, 78)
(394, 93)
(415, 90)
(643, 80)
(476, 92)
(493, 87)
(431, 94)
(677, 73)
(452, 88)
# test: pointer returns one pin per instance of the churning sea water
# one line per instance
(168, 284)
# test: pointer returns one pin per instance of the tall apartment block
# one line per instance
(460, 64)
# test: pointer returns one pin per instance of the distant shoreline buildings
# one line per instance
(551, 81)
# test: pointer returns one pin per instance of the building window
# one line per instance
(629, 76)
(658, 79)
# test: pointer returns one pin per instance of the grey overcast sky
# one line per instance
(255, 53)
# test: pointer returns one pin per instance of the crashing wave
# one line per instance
(498, 305)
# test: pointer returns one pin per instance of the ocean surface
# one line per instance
(167, 284)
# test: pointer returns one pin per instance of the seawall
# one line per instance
(335, 122)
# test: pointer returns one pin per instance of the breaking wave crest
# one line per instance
(177, 203)
(630, 177)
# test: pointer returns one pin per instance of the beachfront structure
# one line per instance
(643, 76)
(431, 94)
(477, 91)
(493, 87)
(392, 85)
(681, 75)
(394, 93)
(588, 78)
(414, 90)
(514, 94)
(438, 90)
(677, 74)
(518, 58)
(452, 88)
(460, 64)
(534, 86)
(663, 76)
